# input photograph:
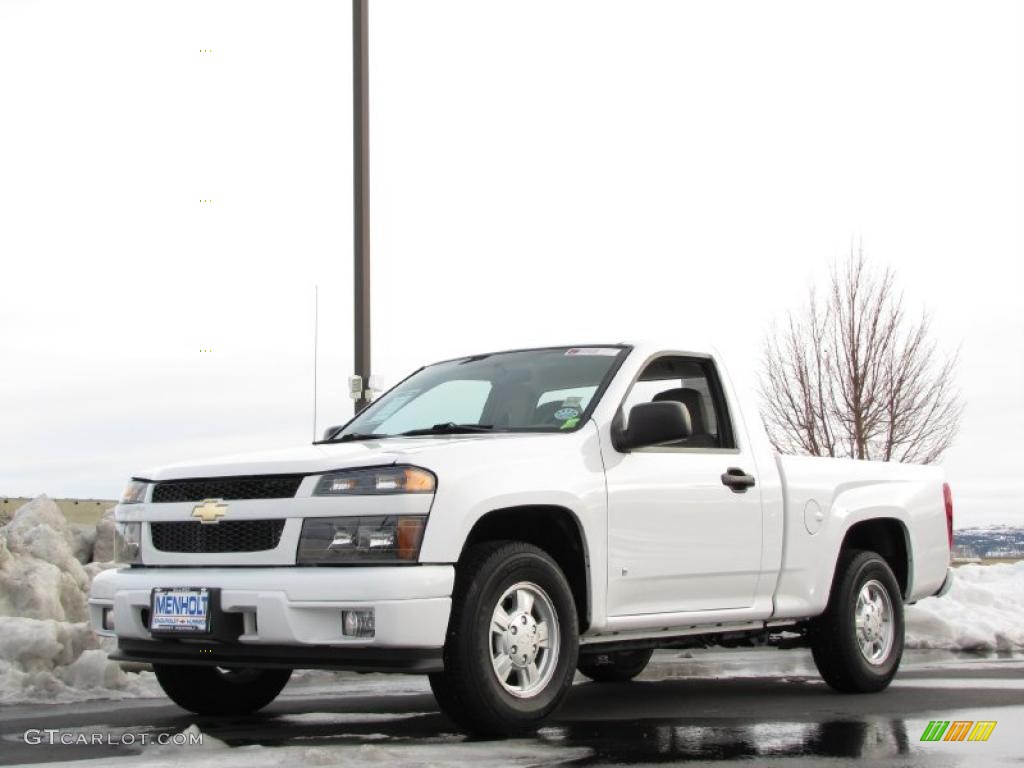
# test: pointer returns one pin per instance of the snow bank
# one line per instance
(40, 577)
(984, 610)
(47, 651)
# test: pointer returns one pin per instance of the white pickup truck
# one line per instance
(500, 521)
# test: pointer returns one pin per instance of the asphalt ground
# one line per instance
(700, 707)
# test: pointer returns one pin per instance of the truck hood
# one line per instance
(312, 459)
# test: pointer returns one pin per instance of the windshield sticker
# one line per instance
(570, 423)
(600, 351)
(567, 413)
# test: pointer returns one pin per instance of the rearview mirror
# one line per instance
(654, 424)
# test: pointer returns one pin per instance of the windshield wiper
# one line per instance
(450, 428)
(350, 436)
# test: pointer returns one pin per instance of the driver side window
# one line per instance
(693, 383)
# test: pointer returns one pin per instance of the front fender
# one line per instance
(562, 471)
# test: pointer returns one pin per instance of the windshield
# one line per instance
(536, 390)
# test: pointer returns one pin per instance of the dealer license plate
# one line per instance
(180, 610)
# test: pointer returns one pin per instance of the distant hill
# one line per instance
(996, 541)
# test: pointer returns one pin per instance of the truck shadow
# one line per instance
(642, 721)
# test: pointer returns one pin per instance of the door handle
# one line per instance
(737, 480)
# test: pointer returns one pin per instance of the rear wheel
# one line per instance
(220, 691)
(616, 667)
(512, 642)
(857, 643)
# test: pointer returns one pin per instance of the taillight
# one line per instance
(948, 496)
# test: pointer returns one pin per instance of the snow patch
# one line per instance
(47, 650)
(984, 610)
(316, 682)
(512, 753)
(103, 544)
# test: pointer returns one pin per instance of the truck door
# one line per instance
(684, 526)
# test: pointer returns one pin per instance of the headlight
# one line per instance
(127, 537)
(134, 492)
(334, 540)
(378, 480)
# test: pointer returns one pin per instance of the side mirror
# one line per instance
(654, 424)
(329, 432)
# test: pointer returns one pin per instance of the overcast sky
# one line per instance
(543, 172)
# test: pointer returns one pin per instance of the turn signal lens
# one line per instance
(419, 480)
(410, 536)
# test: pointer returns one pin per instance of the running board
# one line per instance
(652, 638)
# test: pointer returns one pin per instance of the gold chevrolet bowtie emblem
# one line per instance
(210, 511)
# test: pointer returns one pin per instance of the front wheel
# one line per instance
(857, 643)
(219, 691)
(512, 642)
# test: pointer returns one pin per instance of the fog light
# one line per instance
(357, 623)
(108, 618)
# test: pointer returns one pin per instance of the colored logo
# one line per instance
(210, 511)
(958, 730)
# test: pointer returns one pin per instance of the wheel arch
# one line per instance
(553, 528)
(889, 538)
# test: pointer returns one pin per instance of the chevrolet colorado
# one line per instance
(500, 521)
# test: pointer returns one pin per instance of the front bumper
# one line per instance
(209, 654)
(290, 616)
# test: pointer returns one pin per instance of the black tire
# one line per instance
(216, 691)
(833, 635)
(616, 667)
(469, 690)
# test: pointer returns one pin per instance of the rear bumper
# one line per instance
(291, 614)
(947, 583)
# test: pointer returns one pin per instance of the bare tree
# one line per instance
(851, 376)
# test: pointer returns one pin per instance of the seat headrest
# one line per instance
(691, 398)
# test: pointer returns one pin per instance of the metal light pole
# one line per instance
(361, 196)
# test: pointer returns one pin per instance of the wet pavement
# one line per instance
(695, 707)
